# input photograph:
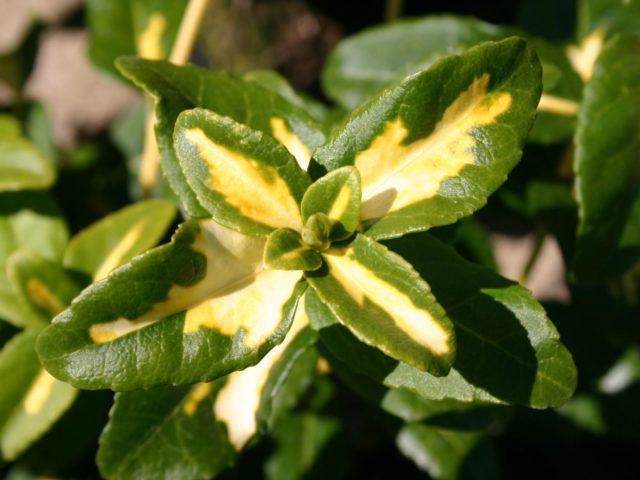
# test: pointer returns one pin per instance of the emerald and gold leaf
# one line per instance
(118, 237)
(285, 250)
(31, 400)
(238, 401)
(385, 303)
(44, 285)
(428, 164)
(178, 88)
(203, 306)
(22, 165)
(198, 429)
(338, 196)
(490, 314)
(28, 221)
(245, 179)
(147, 28)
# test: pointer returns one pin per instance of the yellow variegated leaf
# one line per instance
(385, 303)
(396, 173)
(244, 178)
(238, 401)
(432, 148)
(204, 305)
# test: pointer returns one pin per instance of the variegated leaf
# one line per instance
(198, 429)
(491, 315)
(118, 237)
(125, 27)
(181, 88)
(31, 400)
(285, 250)
(245, 179)
(337, 195)
(44, 285)
(29, 221)
(385, 303)
(433, 148)
(192, 310)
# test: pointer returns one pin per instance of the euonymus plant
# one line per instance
(316, 245)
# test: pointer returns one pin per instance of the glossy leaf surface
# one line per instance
(245, 179)
(195, 309)
(181, 88)
(432, 148)
(196, 430)
(363, 64)
(385, 303)
(522, 361)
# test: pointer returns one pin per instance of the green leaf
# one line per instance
(274, 81)
(442, 453)
(522, 360)
(31, 400)
(147, 28)
(118, 237)
(385, 303)
(181, 88)
(30, 221)
(245, 179)
(22, 166)
(434, 147)
(290, 375)
(337, 195)
(300, 439)
(197, 430)
(607, 163)
(560, 100)
(165, 432)
(285, 250)
(191, 310)
(45, 286)
(411, 406)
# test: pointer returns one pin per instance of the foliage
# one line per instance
(317, 250)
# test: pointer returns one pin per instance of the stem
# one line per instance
(180, 54)
(188, 32)
(393, 9)
(541, 235)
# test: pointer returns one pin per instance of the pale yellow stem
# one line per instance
(180, 54)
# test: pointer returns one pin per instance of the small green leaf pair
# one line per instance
(330, 212)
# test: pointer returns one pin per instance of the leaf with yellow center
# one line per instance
(433, 147)
(385, 303)
(245, 179)
(396, 175)
(197, 309)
